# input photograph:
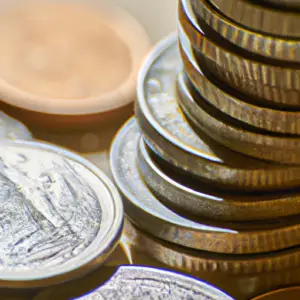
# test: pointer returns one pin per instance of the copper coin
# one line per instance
(267, 84)
(259, 18)
(170, 135)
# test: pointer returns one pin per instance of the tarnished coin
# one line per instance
(269, 46)
(243, 286)
(60, 216)
(132, 282)
(272, 120)
(290, 293)
(260, 18)
(149, 214)
(200, 200)
(13, 129)
(274, 148)
(172, 138)
(264, 83)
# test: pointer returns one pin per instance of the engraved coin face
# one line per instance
(132, 283)
(59, 214)
(13, 129)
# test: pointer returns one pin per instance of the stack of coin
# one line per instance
(209, 168)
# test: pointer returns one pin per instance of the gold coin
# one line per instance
(259, 18)
(277, 149)
(267, 84)
(272, 120)
(290, 293)
(268, 46)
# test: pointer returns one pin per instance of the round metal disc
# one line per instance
(152, 216)
(13, 129)
(267, 84)
(259, 18)
(272, 120)
(268, 46)
(290, 293)
(133, 282)
(173, 139)
(273, 148)
(198, 261)
(61, 216)
(200, 200)
(232, 279)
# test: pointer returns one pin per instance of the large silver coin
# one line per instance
(13, 129)
(132, 283)
(60, 216)
(173, 139)
(150, 215)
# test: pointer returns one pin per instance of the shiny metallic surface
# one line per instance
(279, 149)
(61, 217)
(13, 129)
(276, 121)
(133, 282)
(172, 138)
(207, 202)
(149, 214)
(271, 85)
(268, 46)
(260, 18)
(290, 293)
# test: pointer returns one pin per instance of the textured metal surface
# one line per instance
(265, 45)
(259, 18)
(132, 282)
(58, 214)
(268, 84)
(243, 286)
(171, 136)
(198, 261)
(200, 200)
(277, 121)
(278, 149)
(151, 215)
(13, 129)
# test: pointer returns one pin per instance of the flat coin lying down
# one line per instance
(13, 129)
(131, 283)
(60, 216)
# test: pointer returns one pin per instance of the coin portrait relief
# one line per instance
(48, 212)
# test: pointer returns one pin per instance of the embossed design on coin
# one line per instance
(149, 283)
(52, 211)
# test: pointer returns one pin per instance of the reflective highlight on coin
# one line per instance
(59, 215)
(132, 282)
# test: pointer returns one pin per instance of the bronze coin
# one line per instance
(270, 85)
(260, 18)
(149, 214)
(203, 201)
(173, 139)
(270, 47)
(238, 108)
(278, 149)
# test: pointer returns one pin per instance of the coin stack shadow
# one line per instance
(210, 172)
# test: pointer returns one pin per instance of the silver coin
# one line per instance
(60, 216)
(204, 201)
(169, 134)
(132, 282)
(150, 215)
(13, 129)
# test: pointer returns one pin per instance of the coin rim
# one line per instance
(46, 277)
